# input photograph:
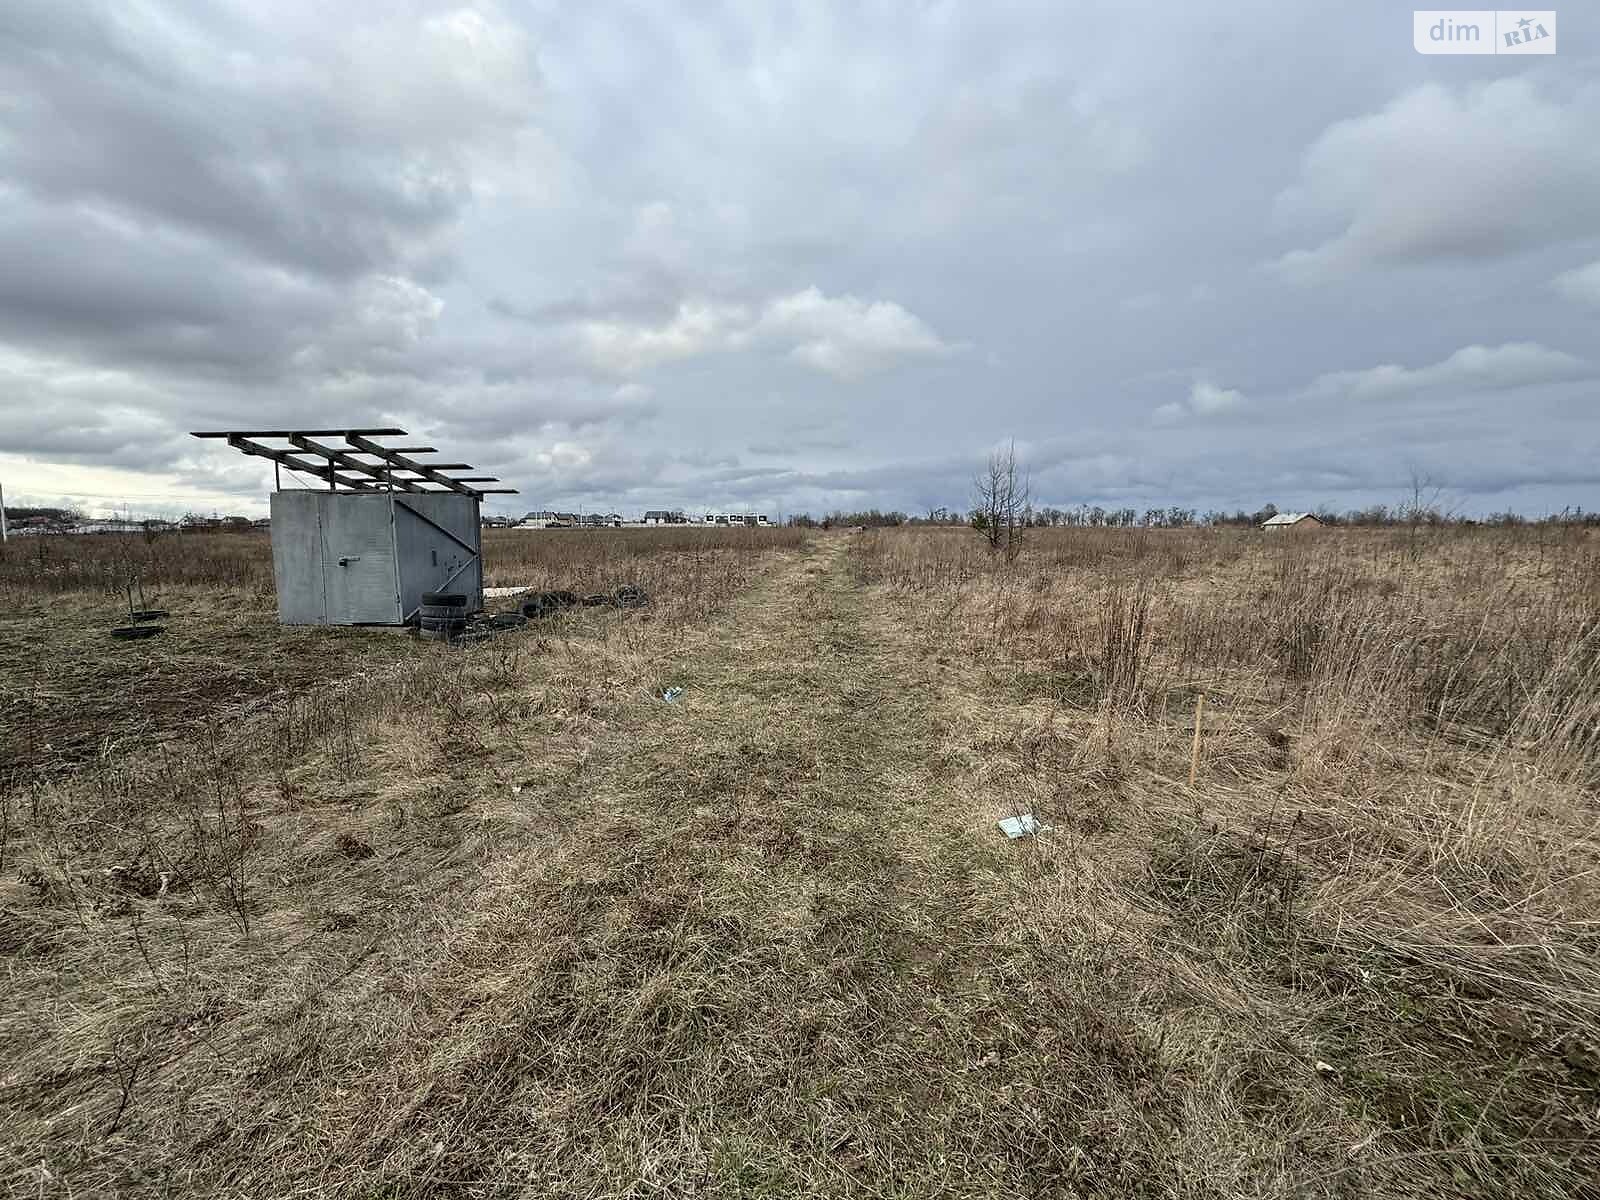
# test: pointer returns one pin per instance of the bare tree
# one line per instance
(1422, 506)
(1001, 497)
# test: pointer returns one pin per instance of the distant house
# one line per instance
(108, 525)
(546, 519)
(194, 523)
(1296, 522)
(663, 516)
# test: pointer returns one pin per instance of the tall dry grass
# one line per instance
(55, 564)
(241, 563)
(665, 562)
(501, 922)
(71, 694)
(1478, 635)
(172, 902)
(1391, 856)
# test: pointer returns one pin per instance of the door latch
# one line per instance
(345, 561)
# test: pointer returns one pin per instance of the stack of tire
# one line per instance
(442, 615)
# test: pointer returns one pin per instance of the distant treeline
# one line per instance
(65, 520)
(23, 512)
(1097, 517)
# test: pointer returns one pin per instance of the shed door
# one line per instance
(358, 561)
(436, 537)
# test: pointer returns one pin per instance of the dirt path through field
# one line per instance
(774, 955)
(529, 930)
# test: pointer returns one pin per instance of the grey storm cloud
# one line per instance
(1581, 284)
(799, 257)
(1469, 172)
(331, 154)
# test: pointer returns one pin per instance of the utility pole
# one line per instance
(5, 534)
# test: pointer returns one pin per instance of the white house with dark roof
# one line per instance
(1291, 521)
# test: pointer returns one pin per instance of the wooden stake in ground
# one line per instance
(1194, 755)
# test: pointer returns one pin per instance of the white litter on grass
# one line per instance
(671, 694)
(1015, 827)
(500, 593)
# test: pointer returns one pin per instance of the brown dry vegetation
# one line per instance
(1365, 942)
(501, 922)
(68, 695)
(196, 827)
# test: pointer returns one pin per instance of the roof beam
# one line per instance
(349, 467)
(328, 473)
(360, 442)
(351, 463)
(289, 433)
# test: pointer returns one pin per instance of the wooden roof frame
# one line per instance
(348, 467)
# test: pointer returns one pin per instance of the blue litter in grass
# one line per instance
(1015, 827)
(671, 694)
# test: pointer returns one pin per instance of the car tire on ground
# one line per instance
(538, 606)
(440, 612)
(134, 633)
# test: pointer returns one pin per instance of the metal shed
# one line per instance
(387, 528)
(341, 558)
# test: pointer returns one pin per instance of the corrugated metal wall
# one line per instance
(297, 558)
(358, 560)
(438, 545)
(343, 558)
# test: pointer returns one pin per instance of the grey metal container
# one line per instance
(364, 558)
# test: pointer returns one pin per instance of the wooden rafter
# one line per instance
(349, 467)
(351, 463)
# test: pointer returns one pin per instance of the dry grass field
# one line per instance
(1362, 952)
(71, 695)
(365, 917)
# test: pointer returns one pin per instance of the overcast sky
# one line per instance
(800, 257)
